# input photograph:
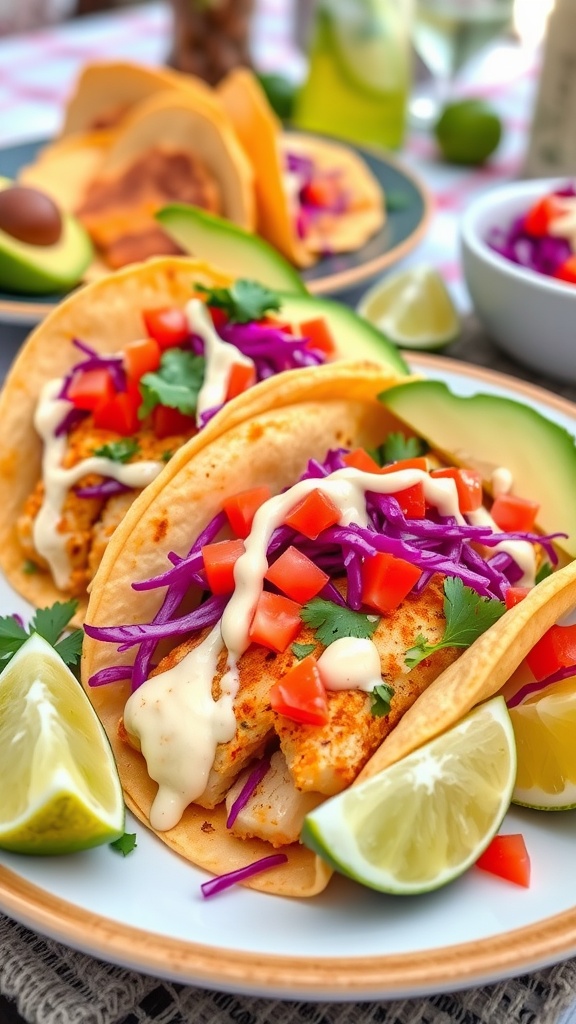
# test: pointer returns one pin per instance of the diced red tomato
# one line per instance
(140, 357)
(468, 485)
(319, 336)
(417, 463)
(276, 621)
(360, 459)
(119, 414)
(313, 514)
(538, 219)
(296, 575)
(219, 561)
(513, 514)
(167, 422)
(555, 650)
(514, 595)
(219, 316)
(300, 694)
(507, 857)
(567, 270)
(279, 325)
(322, 192)
(412, 501)
(386, 581)
(167, 325)
(242, 376)
(242, 507)
(89, 388)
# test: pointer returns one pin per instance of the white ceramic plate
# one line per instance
(146, 911)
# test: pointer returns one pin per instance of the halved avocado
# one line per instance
(42, 269)
(228, 247)
(487, 431)
(355, 338)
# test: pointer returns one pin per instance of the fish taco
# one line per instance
(271, 608)
(111, 384)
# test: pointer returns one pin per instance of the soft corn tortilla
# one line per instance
(260, 133)
(106, 315)
(294, 417)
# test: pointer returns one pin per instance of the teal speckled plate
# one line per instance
(408, 214)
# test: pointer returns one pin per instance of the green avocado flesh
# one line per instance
(43, 269)
(229, 248)
(486, 431)
(355, 338)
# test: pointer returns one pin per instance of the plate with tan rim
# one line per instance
(146, 911)
(408, 213)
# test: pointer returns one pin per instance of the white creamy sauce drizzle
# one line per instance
(350, 663)
(179, 725)
(173, 714)
(49, 542)
(501, 480)
(220, 357)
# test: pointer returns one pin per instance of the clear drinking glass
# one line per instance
(447, 34)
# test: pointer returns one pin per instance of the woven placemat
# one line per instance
(50, 984)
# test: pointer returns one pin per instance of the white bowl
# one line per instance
(531, 316)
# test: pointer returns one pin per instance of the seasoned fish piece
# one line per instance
(112, 514)
(326, 759)
(276, 809)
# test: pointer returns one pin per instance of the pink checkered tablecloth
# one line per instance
(37, 71)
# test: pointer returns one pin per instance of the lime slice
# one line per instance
(421, 822)
(60, 787)
(413, 308)
(545, 730)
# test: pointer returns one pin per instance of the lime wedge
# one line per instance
(60, 787)
(545, 730)
(424, 820)
(413, 308)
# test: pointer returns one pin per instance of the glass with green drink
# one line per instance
(359, 71)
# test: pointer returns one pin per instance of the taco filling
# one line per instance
(109, 425)
(305, 623)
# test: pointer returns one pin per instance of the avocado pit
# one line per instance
(30, 216)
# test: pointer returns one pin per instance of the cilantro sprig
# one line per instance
(49, 623)
(243, 302)
(125, 844)
(381, 696)
(332, 621)
(468, 615)
(119, 451)
(396, 447)
(302, 651)
(176, 383)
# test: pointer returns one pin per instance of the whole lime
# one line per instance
(467, 132)
(280, 93)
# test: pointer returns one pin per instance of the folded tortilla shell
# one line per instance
(295, 416)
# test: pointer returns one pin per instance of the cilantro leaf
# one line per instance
(29, 567)
(468, 615)
(332, 621)
(302, 650)
(166, 456)
(396, 447)
(125, 844)
(398, 201)
(544, 571)
(381, 696)
(176, 383)
(119, 451)
(49, 623)
(243, 302)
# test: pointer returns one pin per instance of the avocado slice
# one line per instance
(486, 431)
(228, 247)
(42, 269)
(355, 338)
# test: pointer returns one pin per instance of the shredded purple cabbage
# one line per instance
(112, 674)
(254, 779)
(106, 489)
(544, 255)
(540, 684)
(221, 882)
(95, 361)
